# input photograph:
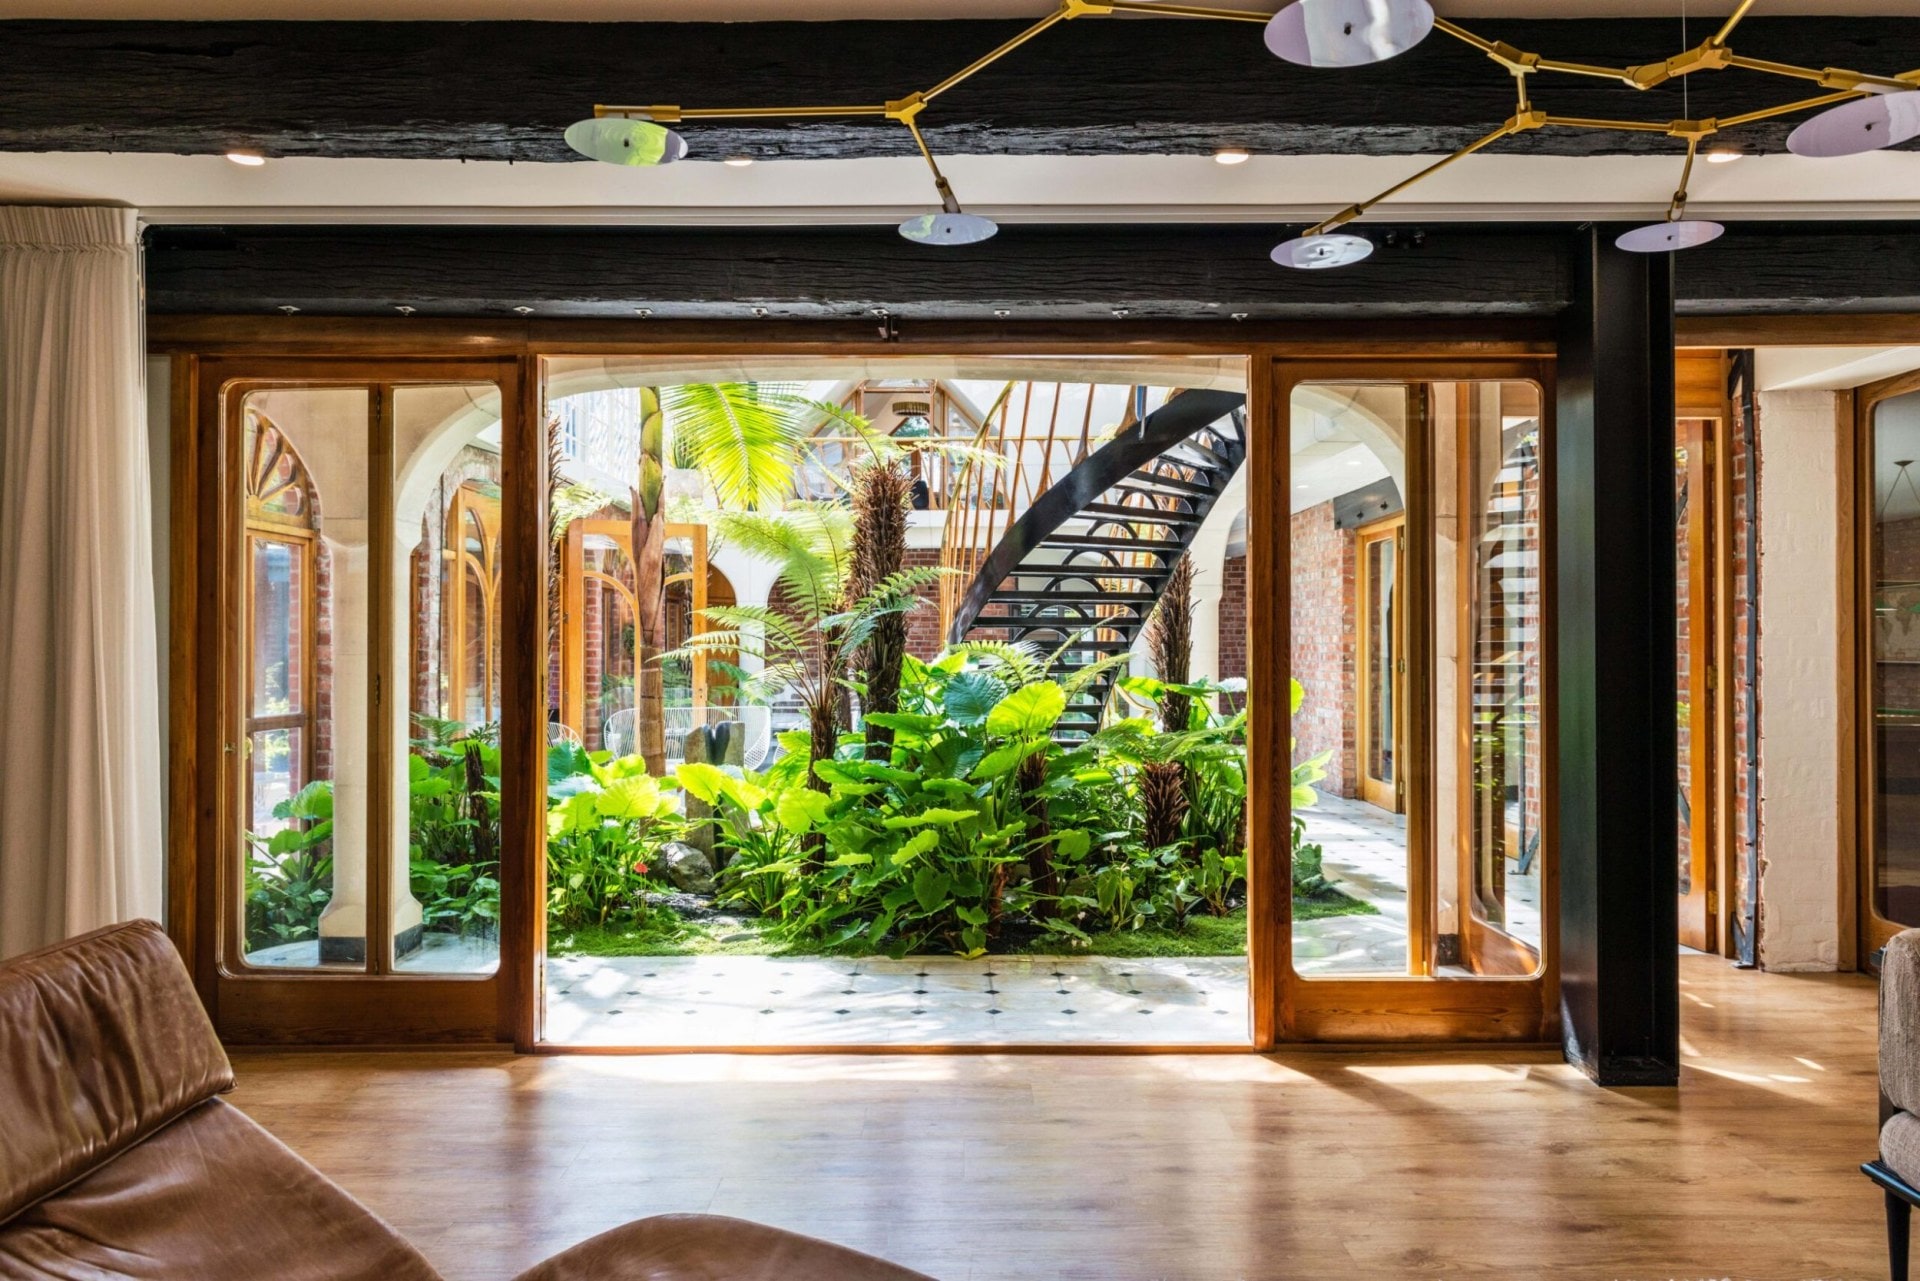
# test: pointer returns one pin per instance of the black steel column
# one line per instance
(1615, 628)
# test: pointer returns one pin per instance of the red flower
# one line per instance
(639, 869)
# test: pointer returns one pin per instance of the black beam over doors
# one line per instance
(1615, 632)
(1155, 271)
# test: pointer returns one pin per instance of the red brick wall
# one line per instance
(924, 638)
(1323, 643)
(1233, 618)
(1743, 481)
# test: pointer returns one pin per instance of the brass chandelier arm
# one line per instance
(666, 114)
(1678, 205)
(1622, 126)
(1094, 7)
(1733, 20)
(948, 201)
(1826, 77)
(1788, 108)
(1520, 61)
(1519, 123)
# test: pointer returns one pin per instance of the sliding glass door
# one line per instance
(355, 572)
(1412, 556)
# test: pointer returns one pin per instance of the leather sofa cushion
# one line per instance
(213, 1197)
(711, 1247)
(105, 1043)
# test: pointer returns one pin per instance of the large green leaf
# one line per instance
(631, 799)
(1003, 760)
(799, 808)
(970, 696)
(919, 843)
(928, 817)
(1029, 711)
(745, 436)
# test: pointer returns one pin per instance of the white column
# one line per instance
(1209, 553)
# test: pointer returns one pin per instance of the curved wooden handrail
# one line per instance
(1136, 446)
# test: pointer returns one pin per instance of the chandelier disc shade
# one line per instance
(1669, 237)
(622, 140)
(1318, 252)
(1347, 33)
(1865, 124)
(949, 229)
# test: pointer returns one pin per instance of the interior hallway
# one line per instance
(1501, 1163)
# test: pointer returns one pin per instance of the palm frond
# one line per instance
(1081, 677)
(744, 436)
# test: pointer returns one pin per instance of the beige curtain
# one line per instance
(81, 769)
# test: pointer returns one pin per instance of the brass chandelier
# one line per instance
(1862, 113)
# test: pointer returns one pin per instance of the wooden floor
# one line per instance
(1310, 1164)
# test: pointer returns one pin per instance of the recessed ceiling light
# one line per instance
(1231, 156)
(738, 162)
(1724, 155)
(251, 159)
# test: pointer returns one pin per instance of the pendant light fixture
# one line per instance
(1873, 111)
(952, 225)
(1347, 33)
(625, 140)
(1317, 251)
(1863, 125)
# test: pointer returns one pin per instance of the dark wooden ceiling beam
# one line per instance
(506, 90)
(1033, 273)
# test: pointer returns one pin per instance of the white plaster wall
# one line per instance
(1800, 656)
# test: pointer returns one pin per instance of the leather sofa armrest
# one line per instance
(711, 1247)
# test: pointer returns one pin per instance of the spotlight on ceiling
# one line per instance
(251, 159)
(624, 140)
(1724, 155)
(1669, 237)
(738, 162)
(1318, 252)
(1865, 124)
(1347, 33)
(1231, 156)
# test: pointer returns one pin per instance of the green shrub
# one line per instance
(606, 820)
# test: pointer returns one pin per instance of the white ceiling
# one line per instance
(823, 10)
(1267, 189)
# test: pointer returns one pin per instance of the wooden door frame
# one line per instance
(1873, 931)
(254, 1006)
(1392, 528)
(1700, 396)
(206, 349)
(1289, 1006)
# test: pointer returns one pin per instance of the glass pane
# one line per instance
(305, 654)
(1896, 660)
(446, 788)
(1491, 433)
(1349, 446)
(1381, 657)
(280, 631)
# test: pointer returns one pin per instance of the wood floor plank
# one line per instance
(1476, 1163)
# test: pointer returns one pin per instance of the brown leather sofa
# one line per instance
(1898, 1169)
(117, 1158)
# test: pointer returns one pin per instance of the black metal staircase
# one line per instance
(1090, 556)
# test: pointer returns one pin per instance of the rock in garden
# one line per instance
(687, 867)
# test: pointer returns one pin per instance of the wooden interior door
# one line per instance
(1380, 665)
(1696, 673)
